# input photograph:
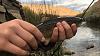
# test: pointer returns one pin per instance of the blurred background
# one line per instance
(78, 5)
(41, 10)
(87, 40)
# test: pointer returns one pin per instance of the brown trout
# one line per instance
(47, 27)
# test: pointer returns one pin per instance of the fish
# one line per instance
(47, 27)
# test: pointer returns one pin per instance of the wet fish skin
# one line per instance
(47, 27)
(69, 20)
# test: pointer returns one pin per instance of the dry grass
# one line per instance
(61, 11)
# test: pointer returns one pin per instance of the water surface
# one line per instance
(85, 43)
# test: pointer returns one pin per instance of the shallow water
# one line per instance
(85, 43)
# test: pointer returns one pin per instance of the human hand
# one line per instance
(63, 31)
(17, 35)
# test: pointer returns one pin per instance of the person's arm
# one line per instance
(16, 35)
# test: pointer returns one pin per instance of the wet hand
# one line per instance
(63, 31)
(17, 35)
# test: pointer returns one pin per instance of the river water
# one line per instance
(86, 42)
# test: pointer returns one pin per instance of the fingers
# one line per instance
(32, 29)
(54, 37)
(14, 49)
(68, 29)
(26, 36)
(62, 35)
(16, 40)
(63, 31)
(74, 28)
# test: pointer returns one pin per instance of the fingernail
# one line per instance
(35, 48)
(73, 24)
(43, 39)
(63, 22)
(55, 28)
(59, 24)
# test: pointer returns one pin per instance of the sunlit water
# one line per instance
(84, 40)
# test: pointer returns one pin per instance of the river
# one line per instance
(86, 42)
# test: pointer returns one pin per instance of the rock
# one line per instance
(68, 51)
